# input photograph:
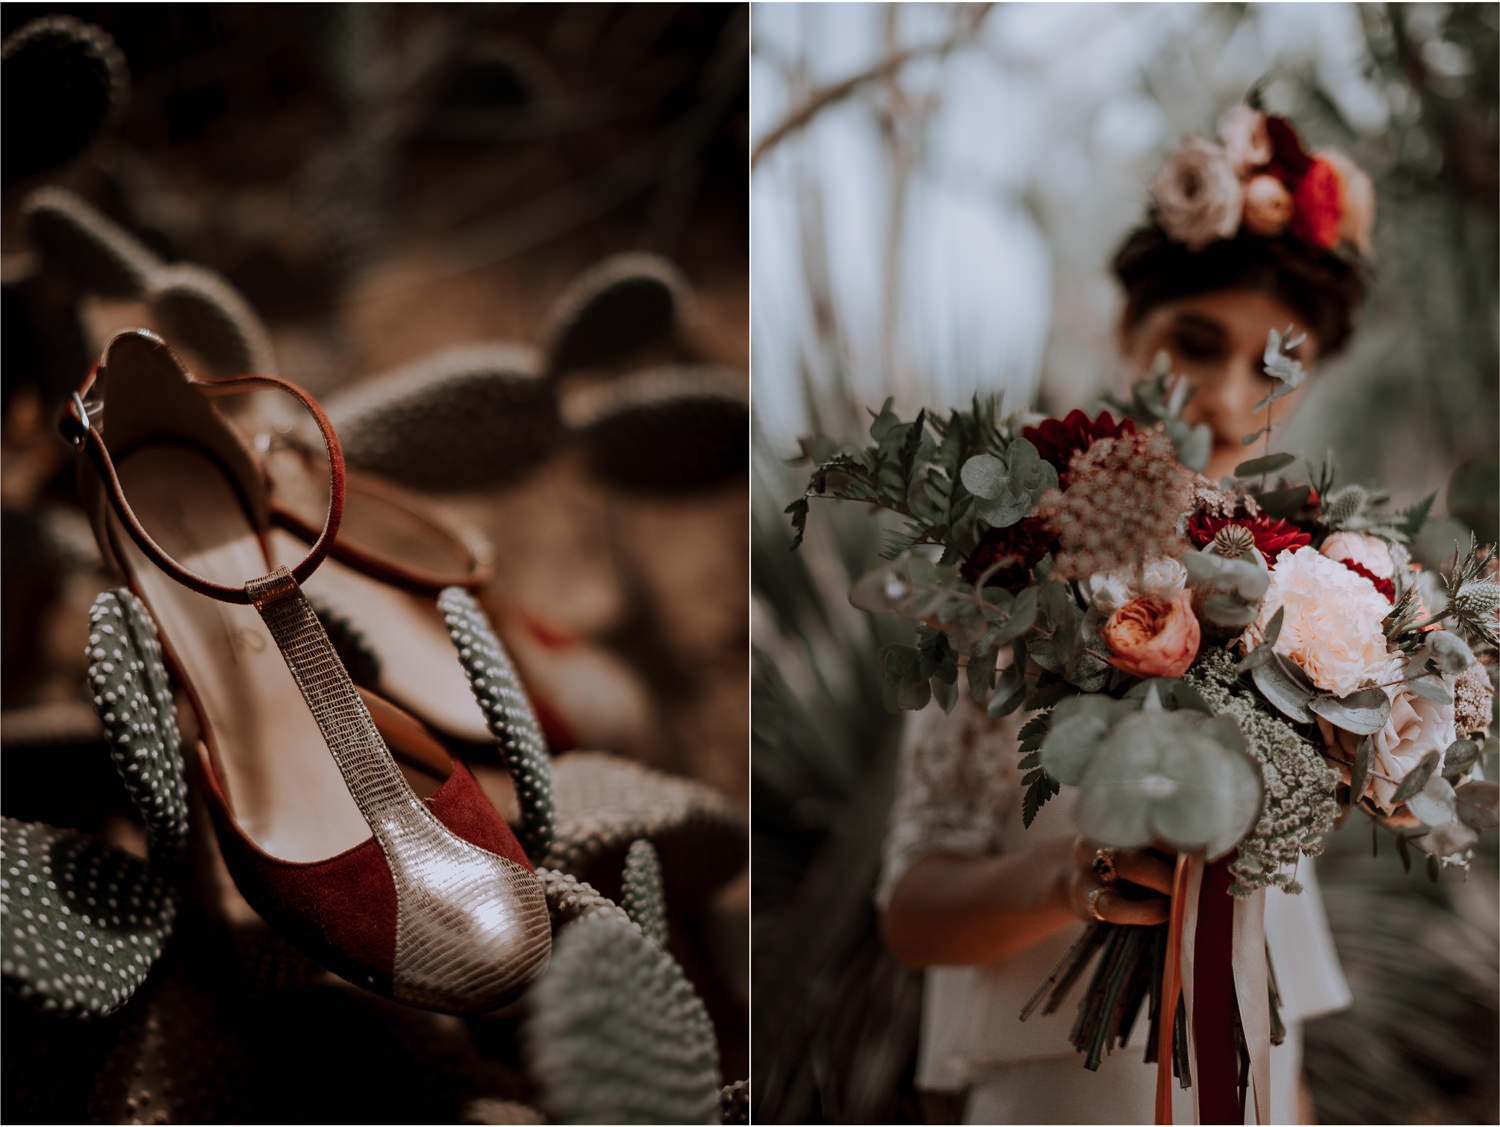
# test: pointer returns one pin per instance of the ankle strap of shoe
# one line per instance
(286, 460)
(77, 426)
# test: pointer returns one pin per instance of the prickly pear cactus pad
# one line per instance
(508, 714)
(624, 303)
(199, 308)
(570, 899)
(82, 922)
(463, 418)
(605, 802)
(616, 1034)
(81, 244)
(641, 893)
(132, 695)
(663, 428)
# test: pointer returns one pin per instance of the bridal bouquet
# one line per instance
(1223, 669)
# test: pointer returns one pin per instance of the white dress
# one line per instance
(960, 792)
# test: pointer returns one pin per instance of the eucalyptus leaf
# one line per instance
(1359, 776)
(945, 693)
(1364, 712)
(1005, 510)
(1460, 756)
(985, 476)
(1430, 687)
(1449, 652)
(1257, 657)
(1434, 804)
(981, 675)
(1009, 692)
(1078, 727)
(1189, 697)
(1286, 687)
(1416, 778)
(1167, 776)
(1273, 628)
(1479, 805)
(1023, 614)
(1194, 450)
(1228, 611)
(1284, 503)
(1268, 464)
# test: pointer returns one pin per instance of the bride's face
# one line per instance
(1217, 341)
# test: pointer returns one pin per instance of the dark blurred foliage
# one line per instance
(325, 122)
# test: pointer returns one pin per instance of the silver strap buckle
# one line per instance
(77, 419)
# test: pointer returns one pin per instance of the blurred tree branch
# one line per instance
(826, 96)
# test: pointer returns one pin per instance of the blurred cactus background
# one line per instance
(507, 247)
(937, 191)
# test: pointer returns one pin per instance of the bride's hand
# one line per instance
(1137, 891)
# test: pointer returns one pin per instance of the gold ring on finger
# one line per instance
(1095, 895)
(1104, 865)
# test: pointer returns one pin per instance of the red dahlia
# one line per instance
(1317, 206)
(1272, 537)
(1057, 440)
(1025, 542)
(1385, 586)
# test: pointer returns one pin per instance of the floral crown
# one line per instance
(1259, 177)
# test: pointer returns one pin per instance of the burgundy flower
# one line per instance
(1289, 160)
(1272, 537)
(1025, 542)
(1384, 586)
(1057, 440)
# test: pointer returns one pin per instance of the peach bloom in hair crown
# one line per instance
(1260, 177)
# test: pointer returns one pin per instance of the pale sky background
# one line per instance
(1043, 136)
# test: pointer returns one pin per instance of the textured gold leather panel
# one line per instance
(472, 927)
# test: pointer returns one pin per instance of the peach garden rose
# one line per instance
(1154, 637)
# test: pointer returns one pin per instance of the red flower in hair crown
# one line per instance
(1260, 177)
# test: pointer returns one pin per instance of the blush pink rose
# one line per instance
(1154, 637)
(1416, 726)
(1247, 141)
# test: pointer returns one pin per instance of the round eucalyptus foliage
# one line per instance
(1179, 778)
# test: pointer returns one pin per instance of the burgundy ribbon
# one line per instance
(1216, 1077)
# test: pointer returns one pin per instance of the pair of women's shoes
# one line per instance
(427, 898)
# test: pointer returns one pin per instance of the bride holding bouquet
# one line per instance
(1246, 275)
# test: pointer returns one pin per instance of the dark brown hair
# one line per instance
(1321, 288)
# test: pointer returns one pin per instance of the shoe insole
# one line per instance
(419, 668)
(282, 783)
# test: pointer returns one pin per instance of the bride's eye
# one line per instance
(1197, 346)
